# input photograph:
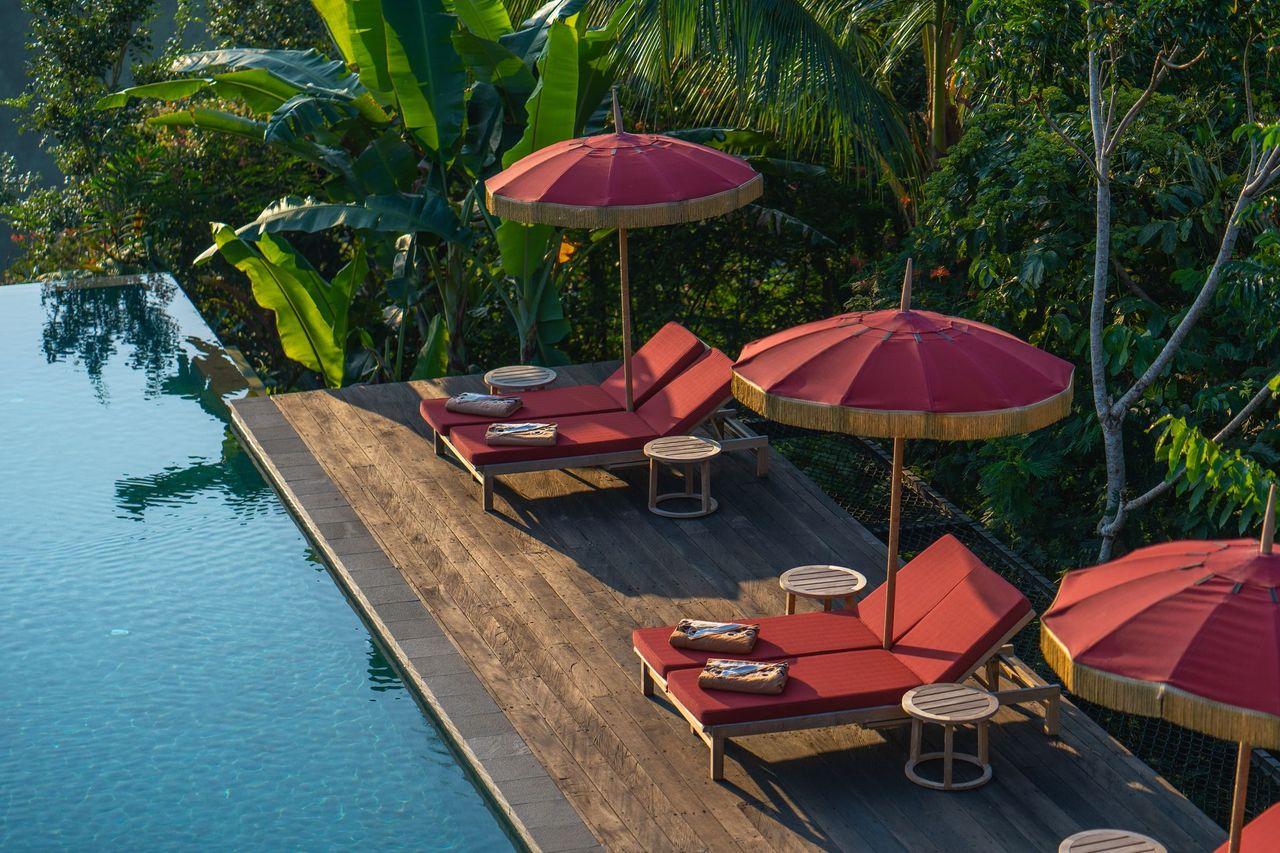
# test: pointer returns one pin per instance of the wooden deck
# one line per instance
(540, 599)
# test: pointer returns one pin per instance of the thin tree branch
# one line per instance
(1159, 70)
(1134, 288)
(1038, 101)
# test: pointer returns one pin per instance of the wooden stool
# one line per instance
(949, 705)
(1110, 841)
(519, 377)
(689, 451)
(825, 583)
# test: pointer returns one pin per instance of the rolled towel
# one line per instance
(744, 676)
(485, 405)
(520, 434)
(731, 637)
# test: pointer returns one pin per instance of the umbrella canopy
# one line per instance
(902, 374)
(1185, 631)
(622, 180)
(908, 374)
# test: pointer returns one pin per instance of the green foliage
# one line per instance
(311, 313)
(1213, 483)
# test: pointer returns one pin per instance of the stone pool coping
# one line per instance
(442, 680)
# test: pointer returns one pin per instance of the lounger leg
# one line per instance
(993, 674)
(717, 757)
(437, 445)
(762, 460)
(1053, 715)
(646, 680)
(486, 492)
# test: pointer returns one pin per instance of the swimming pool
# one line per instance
(177, 669)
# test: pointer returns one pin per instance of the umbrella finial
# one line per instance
(906, 288)
(617, 110)
(1268, 522)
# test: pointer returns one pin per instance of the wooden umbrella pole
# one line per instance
(905, 304)
(626, 278)
(626, 315)
(1268, 523)
(1237, 799)
(895, 519)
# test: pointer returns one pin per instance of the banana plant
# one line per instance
(425, 102)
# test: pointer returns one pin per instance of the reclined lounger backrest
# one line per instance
(950, 610)
(691, 397)
(655, 364)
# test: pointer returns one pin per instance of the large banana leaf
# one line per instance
(486, 18)
(597, 57)
(311, 314)
(490, 62)
(307, 70)
(307, 116)
(395, 214)
(388, 165)
(553, 106)
(216, 120)
(427, 73)
(357, 29)
(530, 40)
(261, 91)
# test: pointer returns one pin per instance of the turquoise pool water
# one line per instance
(176, 669)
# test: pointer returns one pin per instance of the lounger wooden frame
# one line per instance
(999, 661)
(733, 435)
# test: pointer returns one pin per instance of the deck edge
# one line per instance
(516, 783)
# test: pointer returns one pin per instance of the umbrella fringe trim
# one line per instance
(1160, 700)
(625, 216)
(952, 426)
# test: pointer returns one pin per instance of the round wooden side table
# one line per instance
(1110, 841)
(518, 377)
(689, 452)
(950, 706)
(825, 583)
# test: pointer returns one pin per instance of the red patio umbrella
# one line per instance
(622, 180)
(902, 373)
(1185, 631)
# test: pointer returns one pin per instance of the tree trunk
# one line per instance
(938, 83)
(1112, 425)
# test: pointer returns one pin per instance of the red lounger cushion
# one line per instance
(780, 637)
(536, 406)
(661, 359)
(817, 684)
(691, 397)
(583, 435)
(1260, 835)
(923, 584)
(655, 364)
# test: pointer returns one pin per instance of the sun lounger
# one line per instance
(679, 407)
(955, 616)
(660, 360)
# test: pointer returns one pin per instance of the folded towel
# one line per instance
(486, 405)
(731, 637)
(520, 434)
(744, 676)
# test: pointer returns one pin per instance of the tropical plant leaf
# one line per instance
(395, 214)
(483, 135)
(529, 41)
(215, 120)
(165, 90)
(388, 165)
(306, 116)
(357, 29)
(426, 71)
(488, 19)
(259, 90)
(597, 58)
(785, 225)
(490, 62)
(288, 288)
(433, 358)
(553, 107)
